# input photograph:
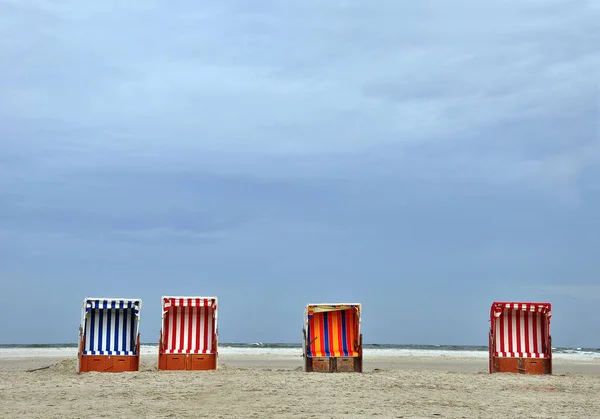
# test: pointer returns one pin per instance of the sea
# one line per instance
(294, 349)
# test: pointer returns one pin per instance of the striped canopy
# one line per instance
(332, 330)
(521, 330)
(110, 326)
(545, 308)
(189, 325)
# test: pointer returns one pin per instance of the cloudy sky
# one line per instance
(423, 158)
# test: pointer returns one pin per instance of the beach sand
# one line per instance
(265, 386)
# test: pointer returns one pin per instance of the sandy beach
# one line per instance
(263, 386)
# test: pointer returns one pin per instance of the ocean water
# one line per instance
(295, 350)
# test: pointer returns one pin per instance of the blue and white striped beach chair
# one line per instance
(109, 338)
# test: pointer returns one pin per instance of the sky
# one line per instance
(422, 158)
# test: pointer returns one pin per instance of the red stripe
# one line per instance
(197, 331)
(517, 314)
(536, 349)
(173, 314)
(181, 326)
(205, 312)
(340, 339)
(321, 333)
(188, 315)
(166, 331)
(501, 337)
(213, 329)
(544, 334)
(330, 333)
(527, 316)
(510, 344)
(350, 330)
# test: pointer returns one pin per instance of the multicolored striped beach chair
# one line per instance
(109, 338)
(519, 338)
(332, 341)
(188, 338)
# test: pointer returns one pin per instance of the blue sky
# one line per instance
(422, 158)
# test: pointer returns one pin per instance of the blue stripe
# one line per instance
(100, 321)
(92, 319)
(326, 337)
(117, 312)
(124, 332)
(344, 345)
(109, 353)
(133, 340)
(108, 335)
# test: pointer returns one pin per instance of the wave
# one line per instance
(267, 345)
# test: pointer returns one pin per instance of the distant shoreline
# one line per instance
(558, 349)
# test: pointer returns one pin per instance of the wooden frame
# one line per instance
(111, 357)
(179, 359)
(328, 362)
(520, 357)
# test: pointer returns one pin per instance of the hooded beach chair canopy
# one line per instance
(332, 330)
(110, 326)
(521, 330)
(189, 325)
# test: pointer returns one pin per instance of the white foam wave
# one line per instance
(369, 353)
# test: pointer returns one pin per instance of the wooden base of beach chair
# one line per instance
(333, 364)
(190, 362)
(522, 365)
(109, 363)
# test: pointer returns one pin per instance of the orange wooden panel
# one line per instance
(202, 362)
(108, 363)
(175, 362)
(180, 362)
(536, 366)
(522, 365)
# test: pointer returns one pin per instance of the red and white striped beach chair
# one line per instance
(332, 341)
(109, 338)
(519, 338)
(188, 338)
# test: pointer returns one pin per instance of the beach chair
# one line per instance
(188, 338)
(519, 338)
(109, 338)
(332, 341)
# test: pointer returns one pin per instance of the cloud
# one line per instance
(304, 79)
(447, 146)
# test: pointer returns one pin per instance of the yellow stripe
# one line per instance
(317, 335)
(335, 344)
